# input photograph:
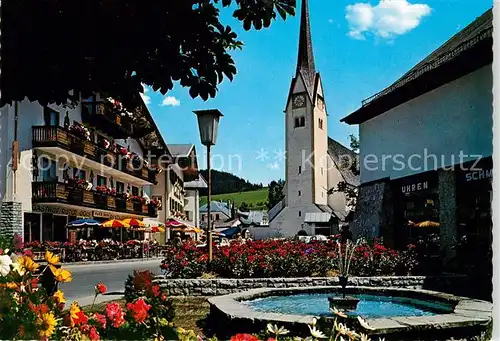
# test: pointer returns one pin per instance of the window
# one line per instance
(51, 117)
(217, 217)
(79, 174)
(120, 187)
(320, 123)
(102, 181)
(300, 213)
(135, 190)
(203, 218)
(300, 169)
(188, 215)
(300, 193)
(299, 121)
(48, 170)
(321, 170)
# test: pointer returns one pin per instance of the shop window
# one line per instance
(79, 174)
(31, 227)
(135, 191)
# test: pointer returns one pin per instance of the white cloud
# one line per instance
(146, 99)
(330, 21)
(274, 165)
(170, 100)
(387, 19)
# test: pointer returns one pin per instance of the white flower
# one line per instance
(338, 312)
(5, 262)
(364, 324)
(273, 329)
(316, 333)
(364, 337)
(314, 321)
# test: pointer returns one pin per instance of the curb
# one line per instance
(132, 260)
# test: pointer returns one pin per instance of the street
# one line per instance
(113, 275)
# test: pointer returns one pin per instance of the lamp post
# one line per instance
(208, 123)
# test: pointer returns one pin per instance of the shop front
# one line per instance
(416, 208)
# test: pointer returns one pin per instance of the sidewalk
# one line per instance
(87, 301)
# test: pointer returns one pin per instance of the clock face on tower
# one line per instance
(299, 101)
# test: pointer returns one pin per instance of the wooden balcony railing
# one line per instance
(55, 136)
(58, 192)
(101, 114)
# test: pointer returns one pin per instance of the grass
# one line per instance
(189, 311)
(255, 198)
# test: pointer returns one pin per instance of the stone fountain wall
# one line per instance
(221, 286)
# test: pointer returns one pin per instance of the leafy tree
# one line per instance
(350, 191)
(51, 48)
(223, 182)
(275, 193)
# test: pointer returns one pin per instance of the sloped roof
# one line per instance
(255, 217)
(341, 155)
(461, 45)
(198, 183)
(217, 207)
(317, 217)
(180, 150)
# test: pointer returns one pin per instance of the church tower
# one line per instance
(306, 130)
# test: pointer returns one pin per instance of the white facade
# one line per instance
(192, 207)
(452, 119)
(61, 161)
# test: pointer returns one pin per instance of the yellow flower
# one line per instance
(51, 258)
(27, 263)
(59, 296)
(73, 313)
(47, 325)
(61, 275)
(9, 285)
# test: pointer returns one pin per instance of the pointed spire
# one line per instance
(305, 60)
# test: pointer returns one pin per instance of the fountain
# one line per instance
(344, 303)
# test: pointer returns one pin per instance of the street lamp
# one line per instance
(208, 122)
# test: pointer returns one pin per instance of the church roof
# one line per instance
(305, 59)
(341, 155)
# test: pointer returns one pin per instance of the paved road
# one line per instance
(113, 275)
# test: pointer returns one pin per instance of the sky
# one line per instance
(359, 48)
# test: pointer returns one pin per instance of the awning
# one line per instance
(318, 217)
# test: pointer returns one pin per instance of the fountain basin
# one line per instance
(440, 315)
(347, 303)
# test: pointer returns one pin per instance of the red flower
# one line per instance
(115, 314)
(244, 337)
(93, 334)
(271, 339)
(163, 296)
(139, 310)
(100, 288)
(101, 319)
(155, 290)
(81, 318)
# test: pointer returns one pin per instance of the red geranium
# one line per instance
(93, 334)
(139, 310)
(115, 314)
(100, 288)
(244, 337)
(81, 319)
(101, 319)
(155, 290)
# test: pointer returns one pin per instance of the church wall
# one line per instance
(336, 200)
(320, 142)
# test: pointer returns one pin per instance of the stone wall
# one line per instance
(447, 213)
(219, 286)
(374, 211)
(11, 218)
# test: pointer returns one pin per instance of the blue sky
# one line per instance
(360, 47)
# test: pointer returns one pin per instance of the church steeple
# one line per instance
(305, 60)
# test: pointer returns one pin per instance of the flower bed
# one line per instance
(285, 258)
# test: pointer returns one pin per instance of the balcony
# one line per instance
(49, 138)
(100, 114)
(58, 192)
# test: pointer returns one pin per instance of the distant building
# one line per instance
(220, 213)
(192, 200)
(315, 163)
(253, 218)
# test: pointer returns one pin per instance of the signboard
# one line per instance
(72, 236)
(99, 214)
(416, 183)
